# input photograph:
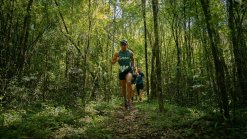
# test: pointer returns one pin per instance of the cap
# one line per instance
(123, 42)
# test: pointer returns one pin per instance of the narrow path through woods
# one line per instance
(129, 124)
(136, 124)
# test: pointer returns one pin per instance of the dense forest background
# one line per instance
(55, 66)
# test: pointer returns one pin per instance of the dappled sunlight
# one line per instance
(120, 69)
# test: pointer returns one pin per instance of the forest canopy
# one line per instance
(57, 53)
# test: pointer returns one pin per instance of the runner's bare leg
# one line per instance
(129, 87)
(123, 88)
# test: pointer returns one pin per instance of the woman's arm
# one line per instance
(115, 58)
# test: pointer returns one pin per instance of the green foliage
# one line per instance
(109, 120)
(1, 113)
(55, 59)
(47, 121)
(172, 115)
(33, 123)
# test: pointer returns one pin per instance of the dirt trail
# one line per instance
(130, 124)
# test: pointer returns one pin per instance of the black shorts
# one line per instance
(139, 87)
(122, 75)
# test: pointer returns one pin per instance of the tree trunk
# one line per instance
(178, 69)
(145, 37)
(157, 51)
(24, 38)
(238, 50)
(218, 62)
(153, 77)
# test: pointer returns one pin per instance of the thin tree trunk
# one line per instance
(157, 49)
(24, 37)
(239, 54)
(153, 77)
(66, 29)
(218, 62)
(145, 37)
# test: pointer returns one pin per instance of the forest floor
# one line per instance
(111, 120)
